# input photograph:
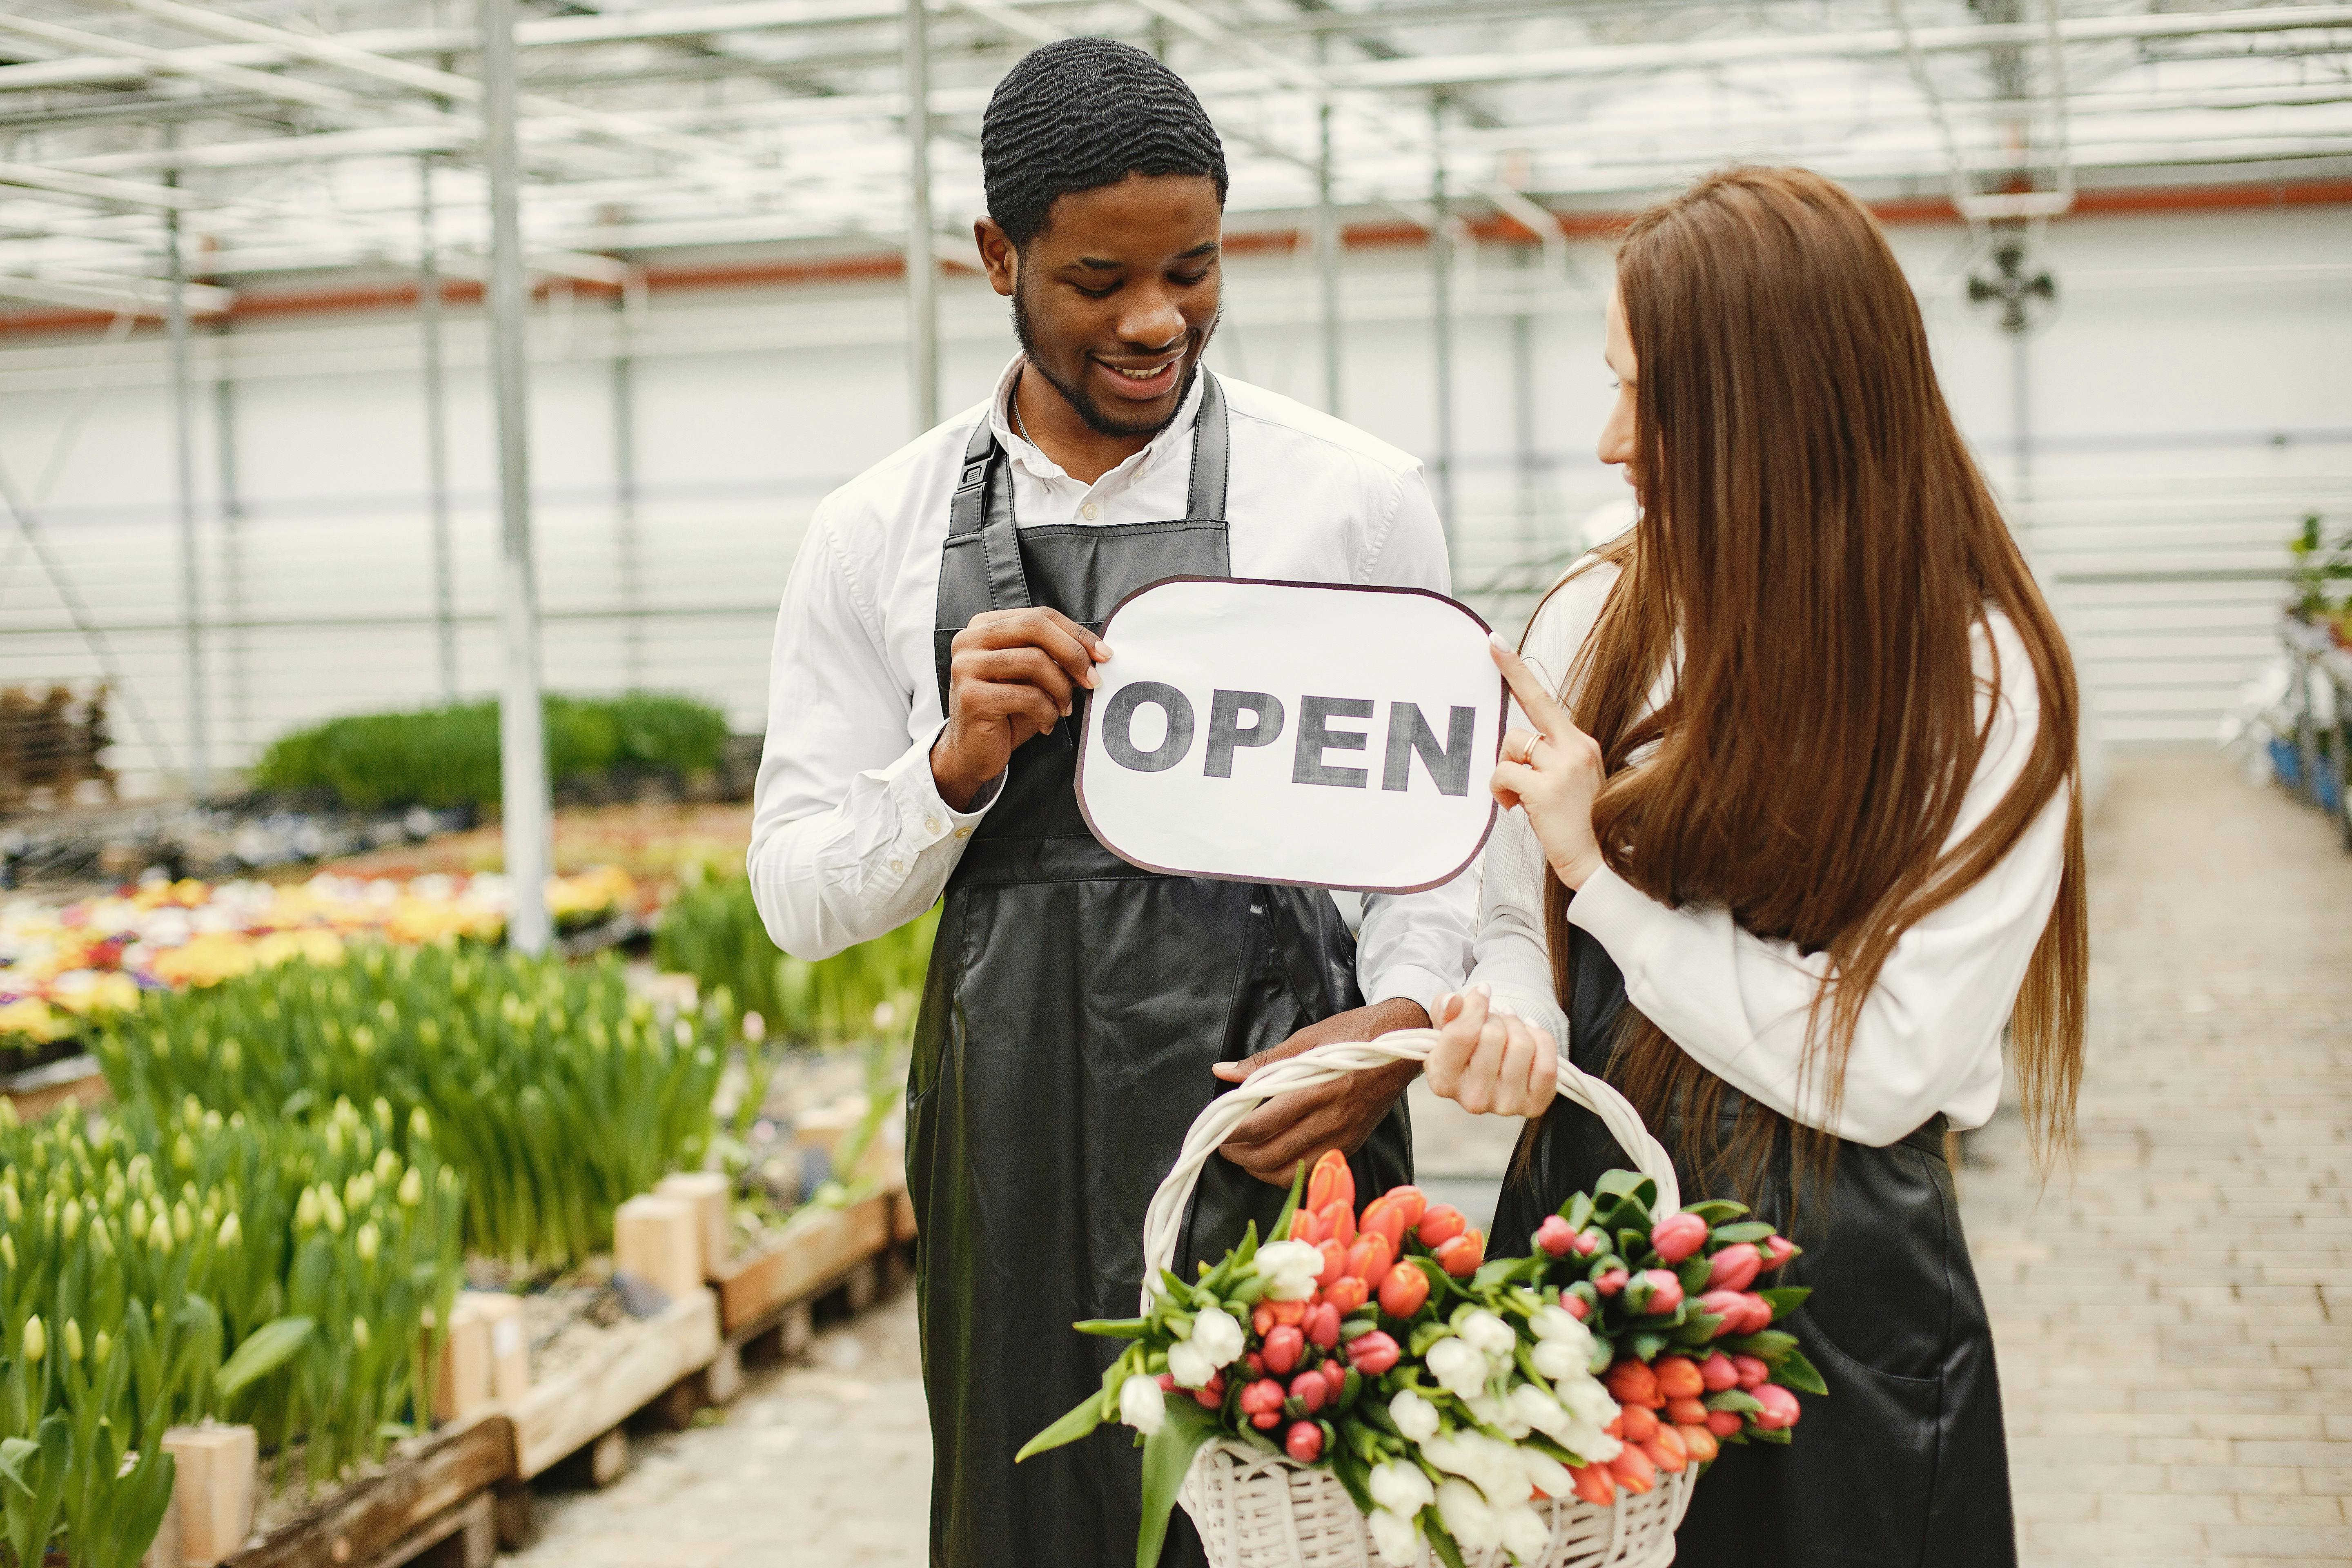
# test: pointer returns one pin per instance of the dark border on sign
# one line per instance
(1086, 730)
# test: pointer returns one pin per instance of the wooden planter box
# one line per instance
(559, 1418)
(40, 1090)
(430, 1489)
(818, 1252)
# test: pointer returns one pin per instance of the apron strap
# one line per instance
(983, 504)
(1204, 500)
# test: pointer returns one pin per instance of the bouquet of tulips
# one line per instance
(1448, 1391)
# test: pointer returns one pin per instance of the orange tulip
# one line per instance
(1641, 1425)
(1370, 1257)
(1441, 1224)
(1678, 1377)
(1410, 1202)
(1338, 1223)
(1633, 1382)
(1335, 1264)
(1686, 1412)
(1382, 1216)
(1666, 1451)
(1331, 1182)
(1700, 1444)
(1348, 1294)
(1305, 1227)
(1594, 1484)
(1403, 1289)
(1461, 1256)
(1633, 1469)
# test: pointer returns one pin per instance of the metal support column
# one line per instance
(1523, 394)
(922, 264)
(1327, 241)
(234, 648)
(626, 555)
(436, 433)
(522, 738)
(1441, 269)
(184, 452)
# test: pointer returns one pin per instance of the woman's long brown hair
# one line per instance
(1815, 547)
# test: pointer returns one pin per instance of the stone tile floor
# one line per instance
(2174, 1317)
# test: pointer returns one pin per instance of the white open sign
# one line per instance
(1292, 733)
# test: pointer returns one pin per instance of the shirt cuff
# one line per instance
(1617, 915)
(1411, 982)
(925, 818)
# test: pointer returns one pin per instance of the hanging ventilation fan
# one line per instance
(2025, 295)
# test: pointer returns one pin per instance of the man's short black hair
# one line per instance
(1081, 113)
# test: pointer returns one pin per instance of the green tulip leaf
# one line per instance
(1166, 1456)
(265, 1350)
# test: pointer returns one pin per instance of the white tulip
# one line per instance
(1457, 1365)
(1539, 1410)
(1190, 1364)
(1590, 1443)
(1524, 1533)
(1587, 1400)
(1467, 1518)
(1401, 1486)
(1142, 1404)
(1558, 1325)
(1218, 1337)
(1289, 1268)
(1556, 1360)
(1397, 1537)
(1490, 1334)
(1497, 1414)
(1547, 1475)
(1415, 1416)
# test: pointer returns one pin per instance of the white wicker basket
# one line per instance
(1255, 1510)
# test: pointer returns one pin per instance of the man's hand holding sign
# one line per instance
(1335, 737)
(1013, 675)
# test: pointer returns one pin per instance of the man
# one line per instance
(936, 647)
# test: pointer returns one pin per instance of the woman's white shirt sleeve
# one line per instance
(1929, 1035)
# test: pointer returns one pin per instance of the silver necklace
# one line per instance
(1018, 428)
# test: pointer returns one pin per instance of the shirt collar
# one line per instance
(1177, 437)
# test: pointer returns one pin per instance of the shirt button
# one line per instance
(963, 833)
(1090, 511)
(898, 865)
(930, 825)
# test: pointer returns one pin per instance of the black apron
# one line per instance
(1903, 1461)
(1075, 1007)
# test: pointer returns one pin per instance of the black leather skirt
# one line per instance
(1903, 1461)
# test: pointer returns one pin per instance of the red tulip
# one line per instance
(1211, 1394)
(1699, 1443)
(1305, 1227)
(1717, 1372)
(1331, 1182)
(1382, 1216)
(1309, 1389)
(1441, 1224)
(1282, 1350)
(1322, 1325)
(1735, 1268)
(1403, 1290)
(1612, 1280)
(1410, 1202)
(1678, 1236)
(1723, 1423)
(1335, 1264)
(1262, 1319)
(1686, 1412)
(1262, 1403)
(1594, 1484)
(1304, 1442)
(1637, 1424)
(1632, 1383)
(1554, 1236)
(1759, 1313)
(1461, 1256)
(1373, 1354)
(1678, 1377)
(1780, 1408)
(1753, 1372)
(1291, 1312)
(1666, 1451)
(1257, 1363)
(1632, 1470)
(1349, 1294)
(1778, 1250)
(1370, 1257)
(1575, 1307)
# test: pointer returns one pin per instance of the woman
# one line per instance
(1798, 837)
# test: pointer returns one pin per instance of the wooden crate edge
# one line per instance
(375, 1514)
(559, 1417)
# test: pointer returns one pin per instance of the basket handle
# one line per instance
(1165, 1219)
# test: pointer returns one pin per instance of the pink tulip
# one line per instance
(1262, 1403)
(1724, 1423)
(1728, 1305)
(1322, 1325)
(1665, 1291)
(1304, 1442)
(1282, 1350)
(1309, 1389)
(1780, 1408)
(1717, 1374)
(1587, 1243)
(1735, 1268)
(1373, 1354)
(1678, 1236)
(1778, 1250)
(1577, 1307)
(1759, 1313)
(1554, 1236)
(1612, 1280)
(1335, 1380)
(1211, 1394)
(1753, 1374)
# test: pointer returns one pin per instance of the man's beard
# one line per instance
(1098, 419)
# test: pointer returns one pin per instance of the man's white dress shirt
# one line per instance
(849, 835)
(1930, 1038)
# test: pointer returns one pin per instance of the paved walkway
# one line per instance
(2174, 1320)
